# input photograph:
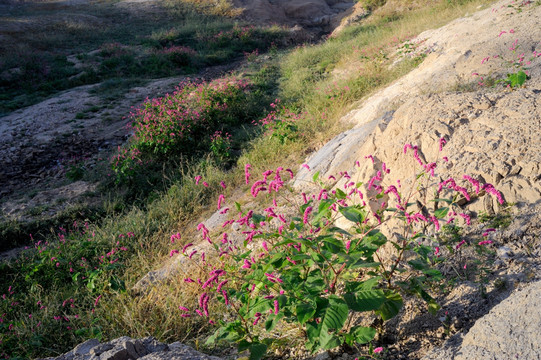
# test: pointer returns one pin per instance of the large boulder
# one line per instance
(509, 331)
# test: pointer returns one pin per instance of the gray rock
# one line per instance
(100, 349)
(116, 354)
(179, 352)
(509, 331)
(126, 348)
(152, 345)
(86, 347)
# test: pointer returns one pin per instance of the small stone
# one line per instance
(323, 356)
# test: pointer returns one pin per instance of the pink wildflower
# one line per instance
(348, 246)
(370, 157)
(466, 217)
(442, 142)
(219, 288)
(221, 198)
(306, 213)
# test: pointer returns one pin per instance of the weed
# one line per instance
(220, 146)
(516, 63)
(312, 271)
(501, 220)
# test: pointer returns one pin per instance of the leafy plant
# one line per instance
(320, 269)
(220, 145)
(176, 123)
(518, 64)
(280, 123)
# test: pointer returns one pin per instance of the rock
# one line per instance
(84, 348)
(126, 348)
(323, 356)
(509, 331)
(504, 252)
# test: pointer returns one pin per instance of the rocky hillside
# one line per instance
(473, 107)
(490, 133)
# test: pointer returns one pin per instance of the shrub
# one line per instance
(181, 122)
(320, 268)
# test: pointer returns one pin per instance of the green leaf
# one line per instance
(260, 305)
(363, 264)
(117, 284)
(434, 273)
(354, 286)
(353, 214)
(363, 335)
(418, 264)
(214, 337)
(521, 78)
(316, 176)
(433, 307)
(257, 218)
(314, 283)
(367, 300)
(448, 201)
(338, 230)
(333, 318)
(441, 212)
(374, 238)
(238, 206)
(312, 332)
(273, 320)
(332, 244)
(257, 351)
(340, 195)
(392, 305)
(328, 340)
(323, 210)
(516, 79)
(335, 315)
(243, 345)
(305, 312)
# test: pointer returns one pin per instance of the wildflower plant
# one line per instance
(220, 145)
(86, 266)
(517, 64)
(320, 268)
(176, 123)
(280, 122)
